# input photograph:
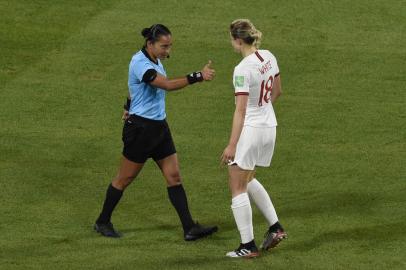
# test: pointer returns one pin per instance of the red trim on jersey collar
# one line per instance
(259, 56)
(241, 94)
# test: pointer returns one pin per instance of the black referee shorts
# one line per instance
(144, 138)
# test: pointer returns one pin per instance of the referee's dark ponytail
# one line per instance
(145, 32)
(154, 32)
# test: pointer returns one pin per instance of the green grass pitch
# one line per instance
(338, 177)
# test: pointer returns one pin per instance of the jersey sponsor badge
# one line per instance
(239, 81)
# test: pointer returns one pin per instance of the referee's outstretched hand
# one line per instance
(207, 72)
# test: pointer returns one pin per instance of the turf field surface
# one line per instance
(338, 174)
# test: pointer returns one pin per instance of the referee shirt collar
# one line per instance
(144, 51)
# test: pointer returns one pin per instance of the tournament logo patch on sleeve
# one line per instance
(239, 81)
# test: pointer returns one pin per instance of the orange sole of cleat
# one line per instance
(252, 255)
(277, 241)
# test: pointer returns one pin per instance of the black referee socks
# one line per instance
(177, 196)
(113, 196)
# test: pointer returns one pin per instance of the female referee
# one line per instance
(257, 85)
(146, 133)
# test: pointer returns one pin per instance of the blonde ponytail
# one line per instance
(245, 30)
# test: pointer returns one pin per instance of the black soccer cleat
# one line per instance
(199, 231)
(273, 238)
(106, 230)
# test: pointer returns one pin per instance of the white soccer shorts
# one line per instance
(255, 147)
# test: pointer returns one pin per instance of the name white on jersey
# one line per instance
(254, 76)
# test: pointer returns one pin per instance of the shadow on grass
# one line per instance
(217, 260)
(371, 234)
(152, 228)
(338, 203)
(157, 225)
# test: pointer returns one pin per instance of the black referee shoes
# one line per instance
(106, 230)
(196, 232)
(199, 231)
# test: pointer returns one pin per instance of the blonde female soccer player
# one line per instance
(257, 85)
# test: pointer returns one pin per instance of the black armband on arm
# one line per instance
(194, 77)
(149, 75)
(127, 104)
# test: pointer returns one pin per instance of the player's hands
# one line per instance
(125, 116)
(228, 154)
(207, 72)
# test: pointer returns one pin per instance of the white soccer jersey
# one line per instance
(254, 76)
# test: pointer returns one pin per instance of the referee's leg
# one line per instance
(127, 173)
(170, 170)
(177, 195)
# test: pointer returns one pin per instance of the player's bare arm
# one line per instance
(277, 89)
(238, 123)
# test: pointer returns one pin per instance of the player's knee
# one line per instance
(123, 181)
(174, 179)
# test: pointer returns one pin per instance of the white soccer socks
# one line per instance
(262, 200)
(242, 212)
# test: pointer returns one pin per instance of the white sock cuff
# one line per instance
(240, 200)
(254, 185)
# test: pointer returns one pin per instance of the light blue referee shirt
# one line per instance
(146, 100)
